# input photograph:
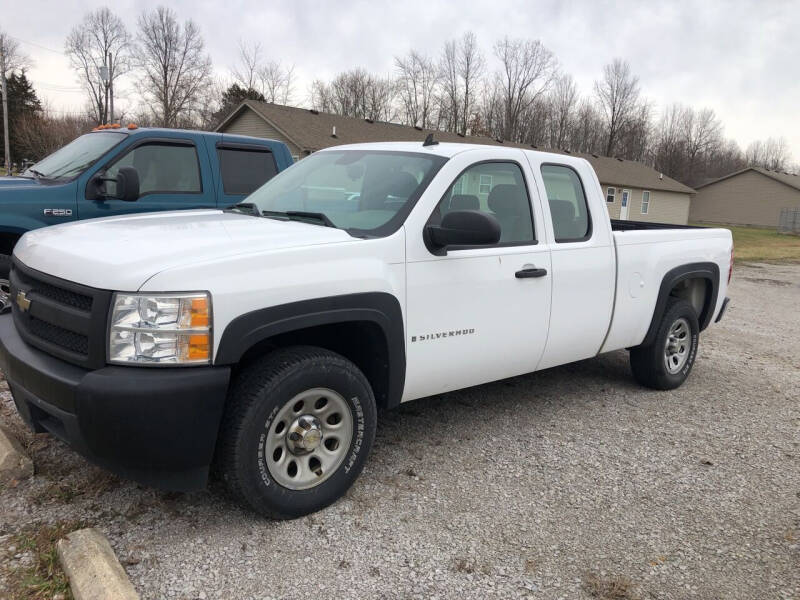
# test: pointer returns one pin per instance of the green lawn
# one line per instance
(764, 245)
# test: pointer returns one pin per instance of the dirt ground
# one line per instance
(568, 483)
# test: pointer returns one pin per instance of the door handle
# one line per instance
(530, 272)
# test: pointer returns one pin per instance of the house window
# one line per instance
(458, 186)
(610, 192)
(485, 184)
(645, 202)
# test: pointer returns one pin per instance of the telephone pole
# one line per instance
(111, 86)
(7, 145)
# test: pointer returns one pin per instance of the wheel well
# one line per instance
(7, 242)
(697, 292)
(361, 342)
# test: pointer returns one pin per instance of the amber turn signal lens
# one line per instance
(198, 347)
(199, 313)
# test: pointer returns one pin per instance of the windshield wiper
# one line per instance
(244, 206)
(300, 215)
(38, 174)
(316, 216)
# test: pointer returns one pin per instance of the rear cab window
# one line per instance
(567, 199)
(244, 170)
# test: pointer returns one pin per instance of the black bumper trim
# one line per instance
(156, 426)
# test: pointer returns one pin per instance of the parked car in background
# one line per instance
(263, 339)
(114, 171)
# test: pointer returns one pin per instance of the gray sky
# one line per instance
(740, 58)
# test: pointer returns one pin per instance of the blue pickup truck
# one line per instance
(113, 171)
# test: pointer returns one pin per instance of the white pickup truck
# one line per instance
(259, 341)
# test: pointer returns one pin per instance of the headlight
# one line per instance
(160, 329)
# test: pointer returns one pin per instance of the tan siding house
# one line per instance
(656, 206)
(306, 131)
(752, 196)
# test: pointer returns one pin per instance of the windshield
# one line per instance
(365, 192)
(77, 156)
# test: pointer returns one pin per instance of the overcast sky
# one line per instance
(740, 58)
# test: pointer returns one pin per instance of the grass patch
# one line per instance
(43, 578)
(763, 245)
(610, 587)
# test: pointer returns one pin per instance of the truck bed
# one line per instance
(620, 225)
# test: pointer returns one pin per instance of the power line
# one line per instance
(37, 45)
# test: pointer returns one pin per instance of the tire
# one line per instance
(5, 268)
(261, 419)
(650, 363)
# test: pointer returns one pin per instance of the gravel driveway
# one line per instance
(569, 483)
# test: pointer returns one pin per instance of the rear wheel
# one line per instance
(5, 291)
(666, 363)
(297, 430)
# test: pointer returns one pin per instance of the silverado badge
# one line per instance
(23, 302)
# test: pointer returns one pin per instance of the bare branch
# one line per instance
(176, 71)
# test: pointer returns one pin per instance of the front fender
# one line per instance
(380, 308)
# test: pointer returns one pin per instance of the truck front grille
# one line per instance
(62, 318)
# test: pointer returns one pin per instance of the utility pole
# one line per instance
(7, 145)
(111, 86)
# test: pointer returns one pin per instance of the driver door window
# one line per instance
(162, 168)
(497, 189)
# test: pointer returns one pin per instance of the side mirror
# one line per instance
(126, 189)
(127, 184)
(462, 228)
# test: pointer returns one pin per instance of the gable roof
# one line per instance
(311, 130)
(789, 179)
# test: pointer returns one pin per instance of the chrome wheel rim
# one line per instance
(5, 293)
(677, 346)
(308, 439)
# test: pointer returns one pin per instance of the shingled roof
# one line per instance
(311, 130)
(786, 178)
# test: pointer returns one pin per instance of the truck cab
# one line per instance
(166, 169)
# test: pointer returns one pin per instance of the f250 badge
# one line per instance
(443, 334)
(57, 212)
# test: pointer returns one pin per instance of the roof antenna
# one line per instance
(429, 141)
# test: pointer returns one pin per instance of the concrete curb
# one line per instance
(14, 462)
(92, 567)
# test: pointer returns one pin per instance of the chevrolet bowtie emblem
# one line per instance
(23, 302)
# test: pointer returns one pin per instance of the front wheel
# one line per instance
(666, 363)
(297, 430)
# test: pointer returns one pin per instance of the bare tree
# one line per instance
(100, 41)
(276, 81)
(772, 154)
(354, 93)
(702, 135)
(669, 154)
(527, 71)
(245, 73)
(271, 79)
(490, 121)
(587, 133)
(563, 100)
(11, 59)
(471, 65)
(461, 67)
(618, 93)
(41, 134)
(175, 68)
(451, 91)
(417, 80)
